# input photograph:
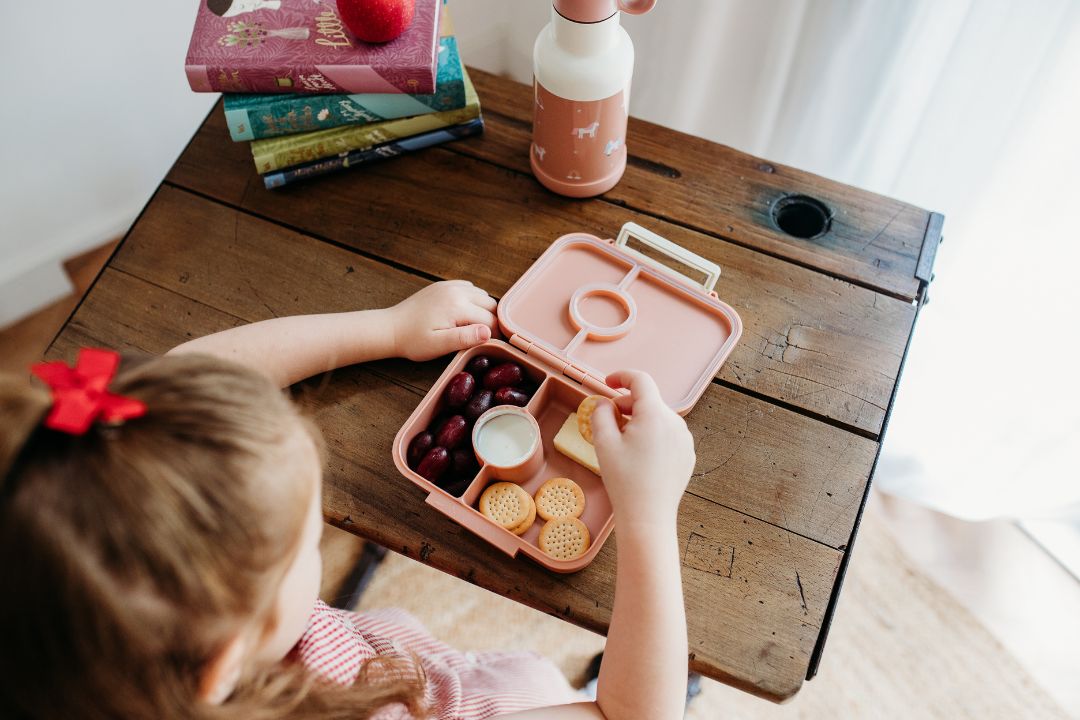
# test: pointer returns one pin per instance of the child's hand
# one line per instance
(647, 466)
(442, 318)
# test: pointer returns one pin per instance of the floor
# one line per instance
(900, 647)
(939, 618)
(24, 342)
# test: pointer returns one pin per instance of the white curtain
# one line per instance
(967, 107)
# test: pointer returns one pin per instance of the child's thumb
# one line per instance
(460, 338)
(605, 430)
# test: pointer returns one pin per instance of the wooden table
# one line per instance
(787, 434)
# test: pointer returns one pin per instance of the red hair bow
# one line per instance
(80, 394)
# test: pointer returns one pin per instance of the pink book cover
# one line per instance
(302, 46)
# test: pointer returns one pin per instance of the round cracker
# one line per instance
(564, 538)
(506, 504)
(559, 497)
(528, 522)
(585, 412)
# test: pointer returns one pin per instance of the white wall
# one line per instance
(95, 110)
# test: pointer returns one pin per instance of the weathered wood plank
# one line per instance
(811, 341)
(754, 457)
(756, 594)
(764, 525)
(873, 240)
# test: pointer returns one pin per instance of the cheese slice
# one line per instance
(569, 442)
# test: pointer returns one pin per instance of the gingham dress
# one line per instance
(460, 686)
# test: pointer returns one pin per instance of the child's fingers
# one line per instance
(475, 315)
(625, 403)
(640, 384)
(484, 300)
(480, 296)
(460, 338)
(604, 429)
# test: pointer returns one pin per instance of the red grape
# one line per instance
(452, 432)
(456, 487)
(479, 366)
(459, 389)
(479, 404)
(434, 464)
(503, 375)
(510, 396)
(464, 463)
(419, 447)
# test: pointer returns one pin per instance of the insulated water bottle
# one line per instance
(583, 61)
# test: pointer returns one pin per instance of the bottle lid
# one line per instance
(590, 11)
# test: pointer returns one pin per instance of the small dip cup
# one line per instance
(507, 438)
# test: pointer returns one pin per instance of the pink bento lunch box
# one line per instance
(585, 308)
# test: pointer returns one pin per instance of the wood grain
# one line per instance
(753, 457)
(813, 342)
(878, 665)
(873, 240)
(755, 605)
(786, 436)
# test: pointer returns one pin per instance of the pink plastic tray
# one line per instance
(588, 307)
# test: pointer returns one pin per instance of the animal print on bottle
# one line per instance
(578, 141)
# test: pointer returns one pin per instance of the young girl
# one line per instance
(159, 541)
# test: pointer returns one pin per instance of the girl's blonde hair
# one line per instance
(131, 555)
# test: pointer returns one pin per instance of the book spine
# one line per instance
(255, 117)
(374, 154)
(282, 152)
(308, 79)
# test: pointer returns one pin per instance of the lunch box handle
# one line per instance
(468, 518)
(709, 269)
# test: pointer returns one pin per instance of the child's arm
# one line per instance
(440, 319)
(646, 468)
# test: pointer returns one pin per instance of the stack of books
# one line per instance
(312, 99)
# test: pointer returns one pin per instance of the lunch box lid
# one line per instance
(589, 307)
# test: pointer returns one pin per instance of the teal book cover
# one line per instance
(252, 117)
(272, 154)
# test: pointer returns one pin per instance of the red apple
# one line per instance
(377, 21)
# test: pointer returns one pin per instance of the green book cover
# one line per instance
(253, 117)
(282, 152)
